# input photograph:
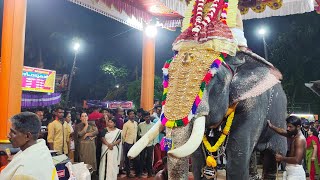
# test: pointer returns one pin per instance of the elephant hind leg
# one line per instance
(270, 165)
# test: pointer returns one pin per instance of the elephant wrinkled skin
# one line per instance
(255, 86)
(252, 83)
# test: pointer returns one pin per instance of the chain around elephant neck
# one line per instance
(270, 101)
(226, 143)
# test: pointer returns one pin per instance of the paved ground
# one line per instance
(221, 176)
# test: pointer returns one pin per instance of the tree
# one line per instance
(116, 71)
(296, 54)
(117, 93)
(117, 89)
(134, 90)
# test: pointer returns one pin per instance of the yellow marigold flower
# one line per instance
(211, 162)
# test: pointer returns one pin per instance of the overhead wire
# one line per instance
(119, 34)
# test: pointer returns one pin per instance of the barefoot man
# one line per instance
(297, 148)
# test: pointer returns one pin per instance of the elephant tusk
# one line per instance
(193, 142)
(145, 140)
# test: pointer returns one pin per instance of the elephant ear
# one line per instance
(252, 77)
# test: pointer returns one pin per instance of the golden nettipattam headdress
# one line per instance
(204, 43)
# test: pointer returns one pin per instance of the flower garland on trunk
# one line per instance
(210, 161)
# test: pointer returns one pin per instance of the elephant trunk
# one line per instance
(145, 140)
(178, 167)
(193, 142)
(186, 141)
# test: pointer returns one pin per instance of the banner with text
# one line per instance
(108, 104)
(38, 80)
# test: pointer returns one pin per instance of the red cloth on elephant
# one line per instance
(213, 30)
(315, 139)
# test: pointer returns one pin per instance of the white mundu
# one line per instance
(295, 172)
(34, 163)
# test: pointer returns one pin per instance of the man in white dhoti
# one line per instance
(294, 158)
(33, 161)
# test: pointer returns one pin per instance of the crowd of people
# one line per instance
(310, 130)
(303, 155)
(102, 137)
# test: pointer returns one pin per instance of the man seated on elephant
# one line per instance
(297, 148)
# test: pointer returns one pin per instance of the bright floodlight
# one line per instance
(117, 86)
(262, 31)
(151, 31)
(76, 46)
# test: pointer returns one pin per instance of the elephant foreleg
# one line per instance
(198, 162)
(238, 160)
(253, 170)
(178, 168)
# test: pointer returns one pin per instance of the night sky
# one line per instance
(106, 39)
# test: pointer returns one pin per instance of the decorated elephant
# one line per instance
(215, 82)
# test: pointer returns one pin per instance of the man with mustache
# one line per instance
(34, 160)
(297, 148)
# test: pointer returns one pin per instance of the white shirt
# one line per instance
(34, 163)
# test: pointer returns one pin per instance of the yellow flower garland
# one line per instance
(222, 138)
(210, 161)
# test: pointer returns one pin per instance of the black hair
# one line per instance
(294, 120)
(164, 160)
(130, 110)
(157, 106)
(314, 132)
(105, 109)
(145, 113)
(27, 122)
(83, 111)
(305, 122)
(66, 114)
(39, 109)
(58, 108)
(113, 112)
(114, 121)
(140, 110)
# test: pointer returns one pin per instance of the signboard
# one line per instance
(309, 117)
(122, 104)
(38, 80)
(108, 104)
